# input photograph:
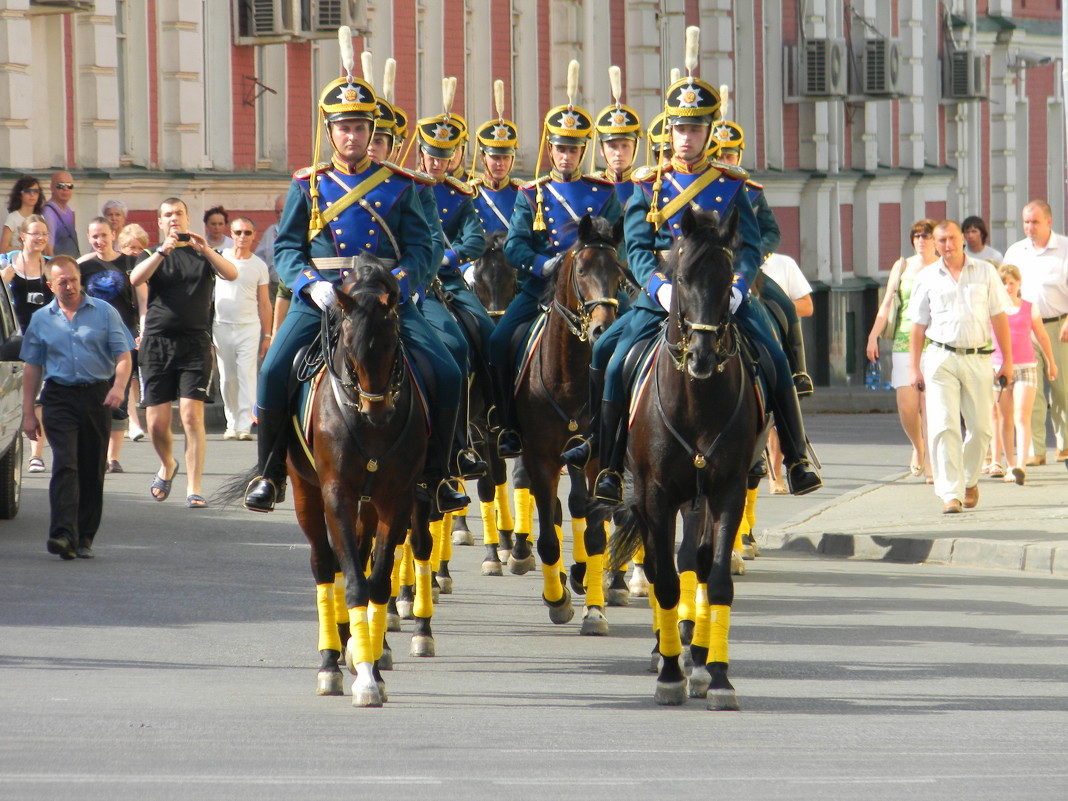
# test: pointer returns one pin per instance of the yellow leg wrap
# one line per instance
(750, 507)
(424, 597)
(446, 537)
(594, 583)
(704, 617)
(324, 600)
(378, 628)
(718, 631)
(655, 607)
(361, 634)
(524, 511)
(504, 511)
(688, 595)
(670, 642)
(578, 539)
(435, 551)
(560, 536)
(554, 590)
(394, 576)
(407, 570)
(489, 523)
(341, 612)
(639, 555)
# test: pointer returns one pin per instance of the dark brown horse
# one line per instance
(354, 487)
(696, 425)
(552, 401)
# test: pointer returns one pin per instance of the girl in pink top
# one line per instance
(1015, 404)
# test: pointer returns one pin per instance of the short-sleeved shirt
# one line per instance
(180, 294)
(13, 222)
(237, 301)
(81, 350)
(785, 272)
(957, 312)
(110, 281)
(61, 231)
(1043, 273)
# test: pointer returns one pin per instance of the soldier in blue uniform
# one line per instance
(496, 191)
(333, 212)
(690, 179)
(544, 227)
(729, 142)
(618, 130)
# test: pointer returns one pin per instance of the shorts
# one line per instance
(174, 367)
(1025, 376)
(899, 374)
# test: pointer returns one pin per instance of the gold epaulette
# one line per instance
(599, 179)
(416, 175)
(544, 179)
(731, 171)
(647, 174)
(304, 173)
(462, 186)
(754, 184)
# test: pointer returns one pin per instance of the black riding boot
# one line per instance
(613, 452)
(579, 455)
(801, 476)
(439, 485)
(268, 488)
(509, 444)
(465, 459)
(795, 350)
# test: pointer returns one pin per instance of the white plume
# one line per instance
(498, 97)
(572, 80)
(368, 63)
(348, 55)
(615, 80)
(693, 48)
(724, 101)
(389, 79)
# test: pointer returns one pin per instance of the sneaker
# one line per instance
(135, 434)
(37, 465)
(244, 436)
(229, 434)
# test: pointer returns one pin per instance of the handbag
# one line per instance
(893, 314)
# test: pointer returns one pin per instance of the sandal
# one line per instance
(195, 501)
(114, 467)
(996, 470)
(162, 484)
(37, 464)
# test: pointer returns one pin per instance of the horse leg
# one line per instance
(393, 619)
(423, 609)
(750, 549)
(504, 521)
(555, 595)
(639, 583)
(671, 681)
(441, 572)
(700, 678)
(461, 534)
(406, 593)
(721, 695)
(436, 529)
(692, 520)
(521, 559)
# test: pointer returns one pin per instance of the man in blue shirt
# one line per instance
(81, 348)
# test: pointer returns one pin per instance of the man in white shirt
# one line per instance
(1042, 258)
(954, 303)
(242, 329)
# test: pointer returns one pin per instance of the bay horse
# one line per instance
(354, 485)
(552, 400)
(696, 425)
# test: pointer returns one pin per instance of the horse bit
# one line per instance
(578, 321)
(680, 351)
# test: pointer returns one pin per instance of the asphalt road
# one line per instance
(180, 664)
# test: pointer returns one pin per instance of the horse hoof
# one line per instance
(576, 577)
(405, 610)
(617, 597)
(594, 623)
(654, 662)
(385, 662)
(699, 682)
(519, 567)
(492, 568)
(393, 621)
(561, 611)
(750, 542)
(462, 537)
(329, 682)
(445, 586)
(421, 645)
(686, 658)
(748, 551)
(382, 690)
(722, 701)
(435, 593)
(366, 696)
(504, 554)
(737, 564)
(348, 656)
(639, 584)
(670, 693)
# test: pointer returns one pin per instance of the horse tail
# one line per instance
(625, 540)
(232, 492)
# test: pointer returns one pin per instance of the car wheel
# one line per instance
(11, 479)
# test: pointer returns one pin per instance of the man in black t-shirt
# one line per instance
(175, 354)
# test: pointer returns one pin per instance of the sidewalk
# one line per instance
(1013, 527)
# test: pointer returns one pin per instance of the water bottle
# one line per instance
(872, 376)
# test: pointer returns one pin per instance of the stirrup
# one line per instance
(469, 464)
(577, 455)
(609, 481)
(515, 450)
(802, 478)
(803, 384)
(458, 501)
(265, 504)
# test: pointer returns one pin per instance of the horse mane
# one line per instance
(364, 287)
(702, 231)
(600, 231)
(496, 239)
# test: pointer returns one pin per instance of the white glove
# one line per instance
(663, 296)
(469, 276)
(736, 299)
(322, 295)
(549, 267)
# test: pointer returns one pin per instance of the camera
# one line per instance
(182, 237)
(35, 298)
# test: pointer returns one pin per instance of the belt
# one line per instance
(1056, 319)
(962, 351)
(344, 264)
(83, 385)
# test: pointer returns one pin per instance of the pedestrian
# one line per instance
(216, 224)
(976, 240)
(106, 275)
(954, 303)
(1042, 258)
(25, 200)
(79, 346)
(115, 212)
(175, 354)
(132, 239)
(265, 248)
(60, 217)
(242, 329)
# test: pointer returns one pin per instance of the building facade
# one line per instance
(860, 116)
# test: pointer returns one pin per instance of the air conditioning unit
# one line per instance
(822, 69)
(964, 75)
(263, 19)
(328, 15)
(60, 6)
(880, 66)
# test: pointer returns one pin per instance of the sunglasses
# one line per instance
(921, 236)
(64, 186)
(242, 233)
(33, 190)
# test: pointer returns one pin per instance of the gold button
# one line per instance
(367, 245)
(556, 242)
(595, 189)
(342, 246)
(675, 225)
(553, 232)
(589, 209)
(371, 232)
(551, 220)
(444, 211)
(378, 203)
(337, 231)
(719, 199)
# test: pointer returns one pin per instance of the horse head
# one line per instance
(495, 283)
(369, 348)
(589, 279)
(702, 267)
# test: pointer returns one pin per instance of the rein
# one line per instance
(578, 320)
(344, 386)
(724, 332)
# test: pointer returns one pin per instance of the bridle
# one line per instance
(578, 321)
(345, 386)
(726, 340)
(493, 315)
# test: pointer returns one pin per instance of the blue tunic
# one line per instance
(494, 207)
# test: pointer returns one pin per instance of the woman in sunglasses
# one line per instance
(25, 199)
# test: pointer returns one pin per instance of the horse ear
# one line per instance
(344, 299)
(617, 231)
(585, 227)
(729, 230)
(689, 221)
